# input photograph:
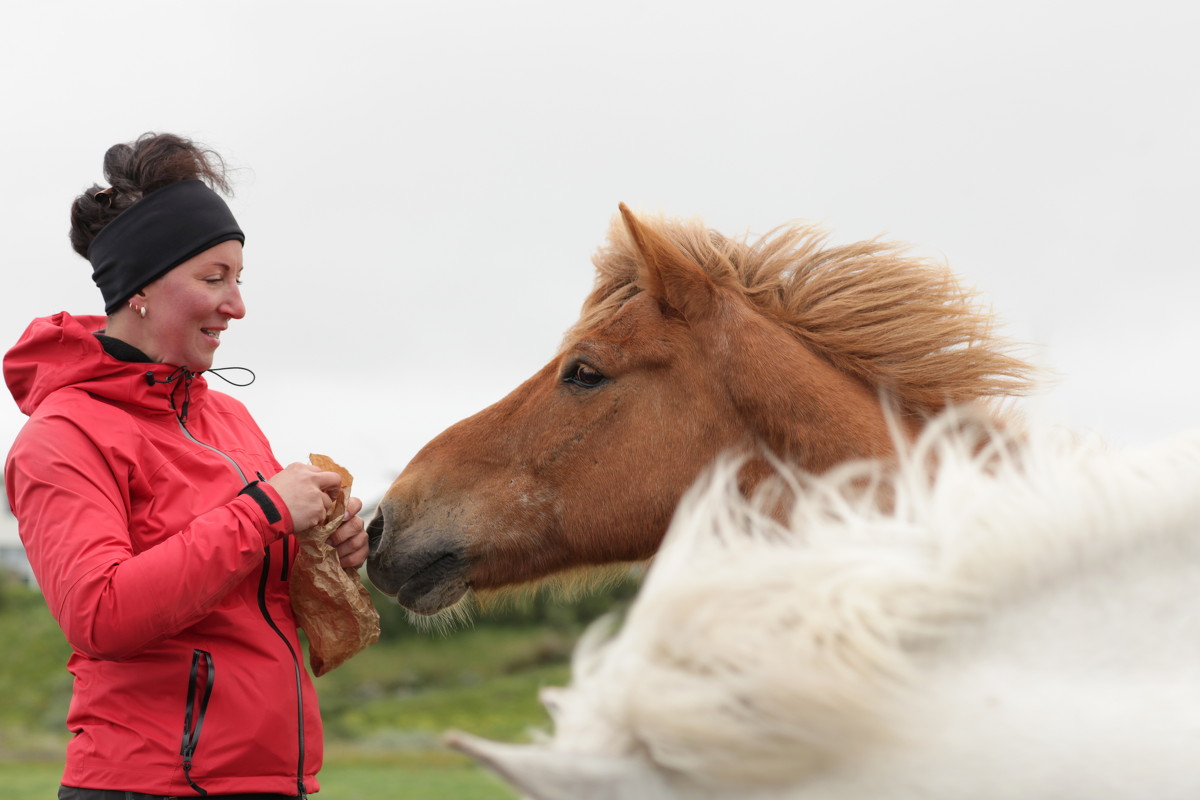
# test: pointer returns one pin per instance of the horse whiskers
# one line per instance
(568, 586)
(448, 620)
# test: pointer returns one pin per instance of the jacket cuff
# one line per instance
(271, 503)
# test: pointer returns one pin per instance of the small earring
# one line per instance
(142, 312)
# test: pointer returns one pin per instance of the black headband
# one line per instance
(157, 234)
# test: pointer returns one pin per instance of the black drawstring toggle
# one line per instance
(180, 410)
(175, 375)
(183, 372)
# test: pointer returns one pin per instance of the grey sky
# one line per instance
(422, 185)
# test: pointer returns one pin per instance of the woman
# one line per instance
(159, 542)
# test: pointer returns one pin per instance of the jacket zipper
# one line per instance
(222, 454)
(262, 605)
(193, 719)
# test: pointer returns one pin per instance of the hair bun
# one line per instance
(135, 169)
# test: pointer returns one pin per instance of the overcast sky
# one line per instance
(422, 185)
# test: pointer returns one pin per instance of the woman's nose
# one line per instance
(234, 306)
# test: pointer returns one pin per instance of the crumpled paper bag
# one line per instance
(331, 603)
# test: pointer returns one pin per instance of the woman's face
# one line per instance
(189, 308)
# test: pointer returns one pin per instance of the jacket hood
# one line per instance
(62, 351)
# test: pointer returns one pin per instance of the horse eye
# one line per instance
(583, 375)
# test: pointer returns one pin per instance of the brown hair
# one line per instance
(150, 162)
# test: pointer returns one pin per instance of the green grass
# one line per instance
(30, 780)
(412, 775)
(406, 775)
(485, 681)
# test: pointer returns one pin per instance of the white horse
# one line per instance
(1021, 622)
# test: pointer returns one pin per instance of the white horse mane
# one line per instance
(761, 653)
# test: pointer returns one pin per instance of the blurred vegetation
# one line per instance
(34, 681)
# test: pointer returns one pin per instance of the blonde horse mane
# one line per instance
(898, 322)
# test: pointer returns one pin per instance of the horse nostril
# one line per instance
(375, 531)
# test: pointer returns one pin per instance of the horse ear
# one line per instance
(667, 274)
(540, 773)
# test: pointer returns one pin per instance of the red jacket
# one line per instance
(166, 565)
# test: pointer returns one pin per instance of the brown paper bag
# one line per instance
(331, 604)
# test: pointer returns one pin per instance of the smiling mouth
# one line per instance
(212, 332)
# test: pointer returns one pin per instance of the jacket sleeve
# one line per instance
(71, 507)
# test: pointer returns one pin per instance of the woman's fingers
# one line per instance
(306, 492)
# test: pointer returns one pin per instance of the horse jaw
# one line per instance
(541, 773)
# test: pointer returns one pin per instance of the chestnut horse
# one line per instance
(690, 344)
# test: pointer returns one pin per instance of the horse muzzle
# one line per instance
(425, 570)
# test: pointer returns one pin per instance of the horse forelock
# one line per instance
(900, 322)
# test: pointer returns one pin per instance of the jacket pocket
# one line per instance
(200, 686)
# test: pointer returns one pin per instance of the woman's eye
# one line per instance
(583, 375)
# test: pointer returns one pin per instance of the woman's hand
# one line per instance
(307, 493)
(350, 539)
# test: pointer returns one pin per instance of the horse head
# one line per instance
(583, 464)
